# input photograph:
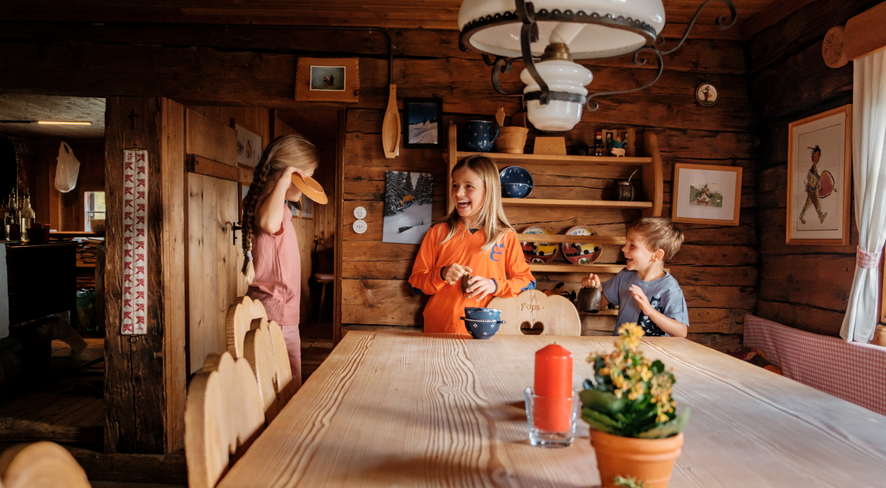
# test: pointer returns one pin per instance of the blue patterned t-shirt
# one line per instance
(664, 295)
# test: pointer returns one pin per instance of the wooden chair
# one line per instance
(41, 465)
(238, 321)
(323, 262)
(533, 310)
(223, 416)
(270, 364)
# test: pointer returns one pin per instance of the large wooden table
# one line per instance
(405, 409)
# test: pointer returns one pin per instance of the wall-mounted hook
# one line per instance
(235, 226)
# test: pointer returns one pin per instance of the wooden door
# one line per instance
(213, 276)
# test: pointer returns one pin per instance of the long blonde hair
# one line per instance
(289, 150)
(492, 215)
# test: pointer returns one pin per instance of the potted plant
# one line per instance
(635, 429)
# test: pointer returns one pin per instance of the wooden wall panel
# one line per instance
(806, 287)
(716, 267)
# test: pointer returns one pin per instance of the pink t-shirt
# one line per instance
(277, 265)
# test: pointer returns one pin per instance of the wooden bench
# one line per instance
(851, 371)
(40, 465)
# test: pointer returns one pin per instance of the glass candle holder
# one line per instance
(551, 420)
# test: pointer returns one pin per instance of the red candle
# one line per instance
(553, 388)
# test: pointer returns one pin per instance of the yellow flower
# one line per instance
(662, 418)
(645, 373)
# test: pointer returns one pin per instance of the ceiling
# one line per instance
(754, 15)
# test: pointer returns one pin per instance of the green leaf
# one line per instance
(603, 401)
(601, 422)
(667, 429)
(657, 367)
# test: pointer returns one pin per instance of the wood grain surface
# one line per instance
(395, 408)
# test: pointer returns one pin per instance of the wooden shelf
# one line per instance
(576, 268)
(555, 159)
(579, 239)
(550, 202)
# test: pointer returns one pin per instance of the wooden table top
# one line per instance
(405, 409)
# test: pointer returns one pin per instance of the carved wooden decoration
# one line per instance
(257, 350)
(554, 315)
(41, 465)
(284, 383)
(223, 415)
(237, 323)
(832, 48)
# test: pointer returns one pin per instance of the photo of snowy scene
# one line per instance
(423, 123)
(409, 199)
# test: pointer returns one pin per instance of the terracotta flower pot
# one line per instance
(647, 460)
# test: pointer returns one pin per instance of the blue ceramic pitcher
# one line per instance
(479, 135)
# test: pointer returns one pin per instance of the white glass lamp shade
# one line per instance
(560, 76)
(496, 29)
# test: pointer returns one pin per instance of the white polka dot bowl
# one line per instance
(482, 328)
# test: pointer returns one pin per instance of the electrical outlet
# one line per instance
(360, 213)
(360, 226)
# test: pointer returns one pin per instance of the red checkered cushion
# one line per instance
(851, 371)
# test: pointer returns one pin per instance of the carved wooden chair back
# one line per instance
(270, 363)
(41, 465)
(537, 313)
(223, 416)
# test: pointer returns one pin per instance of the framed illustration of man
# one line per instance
(819, 178)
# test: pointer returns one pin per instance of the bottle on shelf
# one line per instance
(27, 216)
(11, 221)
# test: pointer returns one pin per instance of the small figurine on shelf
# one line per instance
(598, 144)
(618, 147)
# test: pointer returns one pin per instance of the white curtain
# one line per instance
(869, 175)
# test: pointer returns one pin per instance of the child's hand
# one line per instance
(454, 273)
(638, 295)
(479, 287)
(590, 281)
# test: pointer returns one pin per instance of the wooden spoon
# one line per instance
(500, 116)
(390, 128)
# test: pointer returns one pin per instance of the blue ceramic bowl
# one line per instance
(515, 190)
(482, 329)
(478, 313)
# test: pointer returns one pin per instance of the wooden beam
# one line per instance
(865, 33)
(770, 16)
(208, 167)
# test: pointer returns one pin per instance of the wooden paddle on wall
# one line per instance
(390, 129)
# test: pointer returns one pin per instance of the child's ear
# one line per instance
(658, 255)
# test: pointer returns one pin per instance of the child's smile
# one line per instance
(468, 193)
(638, 257)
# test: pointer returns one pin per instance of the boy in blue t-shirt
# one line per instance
(644, 292)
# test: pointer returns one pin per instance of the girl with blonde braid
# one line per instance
(275, 271)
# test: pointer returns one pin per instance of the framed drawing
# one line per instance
(248, 147)
(307, 207)
(422, 119)
(706, 194)
(327, 80)
(819, 178)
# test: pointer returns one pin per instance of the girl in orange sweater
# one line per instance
(474, 238)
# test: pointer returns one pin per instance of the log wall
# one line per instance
(806, 287)
(198, 66)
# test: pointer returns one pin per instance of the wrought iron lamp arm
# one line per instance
(721, 22)
(592, 105)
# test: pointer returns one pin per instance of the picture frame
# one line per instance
(248, 147)
(820, 178)
(409, 205)
(421, 122)
(327, 80)
(705, 194)
(307, 207)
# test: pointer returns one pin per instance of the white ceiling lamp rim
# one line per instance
(635, 26)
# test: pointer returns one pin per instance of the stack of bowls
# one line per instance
(482, 323)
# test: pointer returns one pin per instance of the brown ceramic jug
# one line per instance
(589, 299)
(464, 283)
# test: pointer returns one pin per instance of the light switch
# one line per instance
(360, 226)
(360, 213)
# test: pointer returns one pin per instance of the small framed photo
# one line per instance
(248, 147)
(706, 194)
(307, 207)
(819, 178)
(327, 80)
(421, 118)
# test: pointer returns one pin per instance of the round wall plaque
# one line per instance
(706, 94)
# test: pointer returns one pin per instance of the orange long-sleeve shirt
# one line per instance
(504, 263)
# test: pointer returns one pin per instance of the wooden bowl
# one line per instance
(511, 140)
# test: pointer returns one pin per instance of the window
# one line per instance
(94, 206)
